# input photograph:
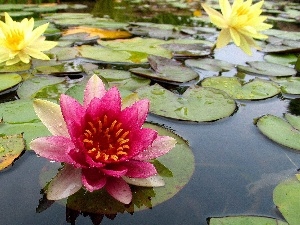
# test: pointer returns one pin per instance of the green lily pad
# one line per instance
(253, 90)
(289, 85)
(283, 59)
(176, 168)
(9, 80)
(32, 86)
(122, 79)
(286, 197)
(58, 69)
(165, 69)
(30, 131)
(210, 64)
(64, 53)
(245, 220)
(268, 69)
(11, 148)
(196, 104)
(280, 131)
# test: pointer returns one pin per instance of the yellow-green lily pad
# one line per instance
(11, 148)
(280, 130)
(196, 104)
(289, 85)
(8, 81)
(254, 90)
(245, 220)
(286, 197)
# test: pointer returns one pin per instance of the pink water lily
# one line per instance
(101, 144)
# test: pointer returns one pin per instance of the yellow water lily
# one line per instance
(240, 22)
(20, 42)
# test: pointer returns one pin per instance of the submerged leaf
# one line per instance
(245, 220)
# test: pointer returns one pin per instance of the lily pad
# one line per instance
(254, 90)
(280, 131)
(122, 79)
(283, 59)
(8, 81)
(210, 64)
(289, 85)
(32, 86)
(268, 69)
(11, 148)
(165, 69)
(18, 67)
(176, 168)
(196, 104)
(286, 197)
(245, 220)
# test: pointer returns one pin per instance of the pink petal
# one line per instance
(93, 179)
(54, 148)
(140, 140)
(65, 183)
(139, 169)
(72, 112)
(160, 146)
(114, 170)
(109, 104)
(94, 89)
(136, 114)
(119, 189)
(51, 116)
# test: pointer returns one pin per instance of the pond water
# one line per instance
(236, 167)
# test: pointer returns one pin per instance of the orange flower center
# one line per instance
(105, 141)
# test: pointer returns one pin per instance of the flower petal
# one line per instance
(160, 146)
(224, 38)
(72, 113)
(94, 89)
(153, 181)
(119, 189)
(139, 169)
(114, 170)
(93, 179)
(65, 183)
(135, 115)
(54, 148)
(109, 104)
(51, 116)
(140, 140)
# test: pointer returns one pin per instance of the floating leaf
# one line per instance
(122, 79)
(283, 59)
(289, 85)
(253, 90)
(9, 80)
(165, 69)
(32, 86)
(18, 67)
(268, 69)
(279, 131)
(196, 104)
(245, 220)
(101, 33)
(11, 148)
(286, 197)
(210, 64)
